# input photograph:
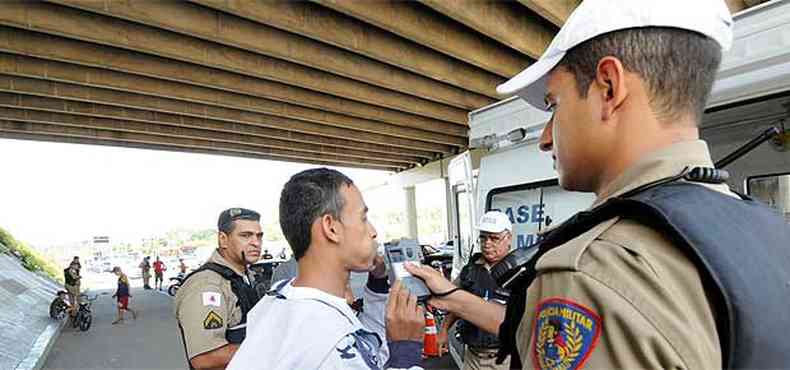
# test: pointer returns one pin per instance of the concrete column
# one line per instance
(411, 211)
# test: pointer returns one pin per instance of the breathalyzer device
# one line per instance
(398, 252)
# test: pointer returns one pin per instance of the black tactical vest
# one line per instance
(476, 279)
(740, 247)
(245, 293)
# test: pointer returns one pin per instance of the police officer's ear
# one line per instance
(222, 240)
(610, 86)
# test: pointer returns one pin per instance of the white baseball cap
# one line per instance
(495, 222)
(596, 17)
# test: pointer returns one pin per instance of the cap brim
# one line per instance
(490, 230)
(530, 84)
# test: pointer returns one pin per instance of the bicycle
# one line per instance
(84, 317)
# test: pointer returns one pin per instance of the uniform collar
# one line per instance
(482, 262)
(218, 259)
(659, 164)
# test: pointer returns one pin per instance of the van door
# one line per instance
(464, 194)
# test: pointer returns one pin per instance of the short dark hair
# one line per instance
(678, 66)
(227, 219)
(308, 195)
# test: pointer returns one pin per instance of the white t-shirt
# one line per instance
(306, 328)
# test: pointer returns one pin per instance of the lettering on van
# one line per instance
(521, 216)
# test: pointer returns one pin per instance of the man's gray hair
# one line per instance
(678, 66)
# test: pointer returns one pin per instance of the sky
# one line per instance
(59, 193)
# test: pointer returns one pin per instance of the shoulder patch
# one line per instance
(212, 299)
(565, 334)
(212, 321)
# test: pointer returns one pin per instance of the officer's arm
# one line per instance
(482, 314)
(619, 309)
(216, 359)
(203, 317)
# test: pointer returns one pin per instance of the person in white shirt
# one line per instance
(307, 323)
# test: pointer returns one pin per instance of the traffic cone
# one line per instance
(430, 344)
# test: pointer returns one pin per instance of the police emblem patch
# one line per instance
(565, 334)
(212, 321)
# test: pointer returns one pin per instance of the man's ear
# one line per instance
(610, 85)
(222, 240)
(330, 228)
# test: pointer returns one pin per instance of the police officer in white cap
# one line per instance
(496, 235)
(664, 278)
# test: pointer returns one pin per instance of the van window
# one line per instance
(464, 221)
(533, 207)
(773, 190)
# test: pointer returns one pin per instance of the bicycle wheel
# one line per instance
(55, 310)
(85, 323)
(172, 290)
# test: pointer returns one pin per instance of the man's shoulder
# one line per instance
(567, 255)
(202, 280)
(301, 316)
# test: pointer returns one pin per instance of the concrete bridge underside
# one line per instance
(381, 84)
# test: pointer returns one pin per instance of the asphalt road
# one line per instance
(150, 342)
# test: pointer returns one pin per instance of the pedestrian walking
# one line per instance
(122, 295)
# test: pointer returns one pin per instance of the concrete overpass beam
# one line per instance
(77, 24)
(80, 99)
(207, 84)
(313, 21)
(171, 148)
(48, 95)
(555, 11)
(508, 23)
(257, 109)
(434, 31)
(57, 130)
(220, 27)
(52, 111)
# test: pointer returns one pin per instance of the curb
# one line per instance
(37, 356)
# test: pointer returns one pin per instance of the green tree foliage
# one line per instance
(206, 234)
(30, 259)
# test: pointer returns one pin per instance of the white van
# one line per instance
(505, 170)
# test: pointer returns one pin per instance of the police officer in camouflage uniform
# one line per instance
(213, 301)
(496, 235)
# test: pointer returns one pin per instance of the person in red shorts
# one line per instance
(122, 294)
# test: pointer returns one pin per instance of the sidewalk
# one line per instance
(26, 331)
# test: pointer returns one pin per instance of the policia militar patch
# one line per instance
(565, 334)
(212, 321)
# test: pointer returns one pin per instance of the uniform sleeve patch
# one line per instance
(213, 321)
(565, 334)
(212, 299)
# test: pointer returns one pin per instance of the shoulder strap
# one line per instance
(223, 271)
